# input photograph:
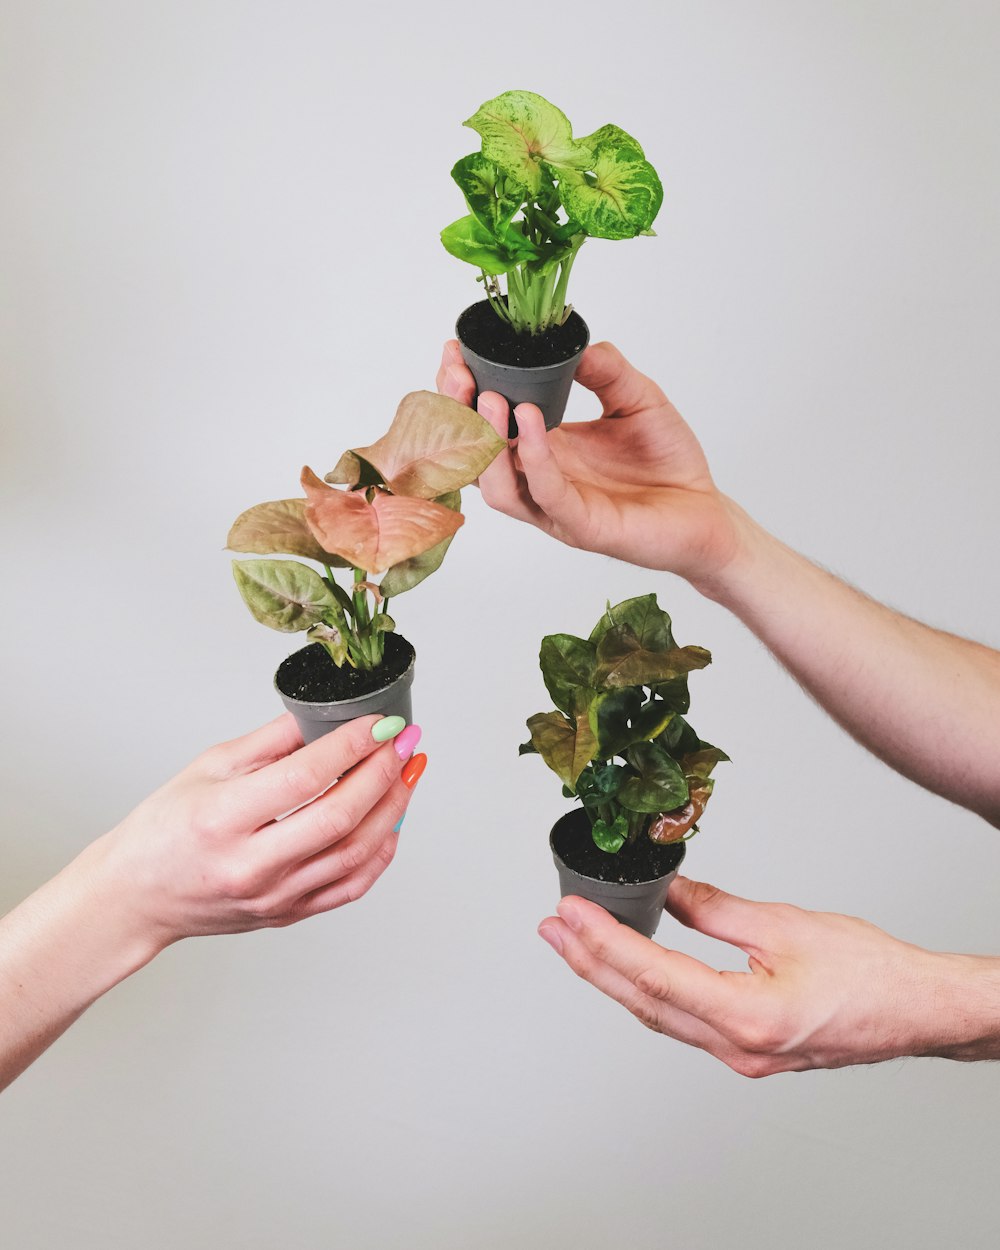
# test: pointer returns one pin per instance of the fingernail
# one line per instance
(399, 823)
(568, 913)
(387, 728)
(413, 770)
(549, 934)
(406, 743)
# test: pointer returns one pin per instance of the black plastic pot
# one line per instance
(638, 905)
(547, 385)
(316, 719)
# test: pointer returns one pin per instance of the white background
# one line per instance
(220, 262)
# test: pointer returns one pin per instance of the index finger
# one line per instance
(454, 378)
(305, 774)
(670, 976)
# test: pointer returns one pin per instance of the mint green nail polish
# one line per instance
(387, 728)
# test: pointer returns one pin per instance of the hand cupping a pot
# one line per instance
(822, 990)
(262, 832)
(633, 484)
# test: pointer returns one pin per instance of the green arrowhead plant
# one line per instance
(535, 195)
(396, 518)
(618, 739)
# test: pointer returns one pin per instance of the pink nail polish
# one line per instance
(406, 742)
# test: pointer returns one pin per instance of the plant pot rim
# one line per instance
(522, 369)
(613, 885)
(405, 679)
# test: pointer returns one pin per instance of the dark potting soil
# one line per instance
(487, 335)
(312, 676)
(644, 861)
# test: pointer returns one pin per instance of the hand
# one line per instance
(633, 484)
(823, 991)
(214, 850)
(254, 834)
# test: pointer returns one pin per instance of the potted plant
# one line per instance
(621, 745)
(396, 518)
(535, 195)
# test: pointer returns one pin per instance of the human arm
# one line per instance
(213, 851)
(635, 484)
(822, 990)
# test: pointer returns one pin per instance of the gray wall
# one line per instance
(220, 261)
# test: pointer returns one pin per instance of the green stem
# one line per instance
(497, 304)
(362, 618)
(559, 299)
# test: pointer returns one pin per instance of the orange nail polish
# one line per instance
(413, 770)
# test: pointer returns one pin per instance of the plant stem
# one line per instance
(559, 300)
(362, 620)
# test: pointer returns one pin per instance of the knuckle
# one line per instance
(212, 820)
(214, 760)
(759, 1037)
(654, 984)
(357, 886)
(354, 854)
(387, 769)
(705, 895)
(333, 820)
(304, 776)
(235, 881)
(646, 1012)
(386, 853)
(752, 1066)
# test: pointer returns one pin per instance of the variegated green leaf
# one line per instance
(567, 665)
(492, 196)
(610, 838)
(284, 594)
(619, 195)
(644, 615)
(660, 785)
(469, 240)
(521, 131)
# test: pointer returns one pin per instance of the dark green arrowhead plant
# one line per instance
(535, 195)
(619, 740)
(397, 517)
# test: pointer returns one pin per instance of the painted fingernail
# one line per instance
(406, 743)
(399, 823)
(387, 728)
(413, 770)
(549, 934)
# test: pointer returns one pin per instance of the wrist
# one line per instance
(962, 1020)
(114, 937)
(746, 558)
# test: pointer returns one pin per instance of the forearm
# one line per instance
(60, 950)
(962, 1020)
(926, 702)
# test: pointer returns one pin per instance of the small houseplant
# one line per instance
(620, 743)
(396, 518)
(535, 194)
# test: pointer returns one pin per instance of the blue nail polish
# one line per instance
(399, 823)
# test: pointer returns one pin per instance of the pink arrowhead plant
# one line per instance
(394, 519)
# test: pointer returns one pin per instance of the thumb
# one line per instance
(715, 913)
(621, 388)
